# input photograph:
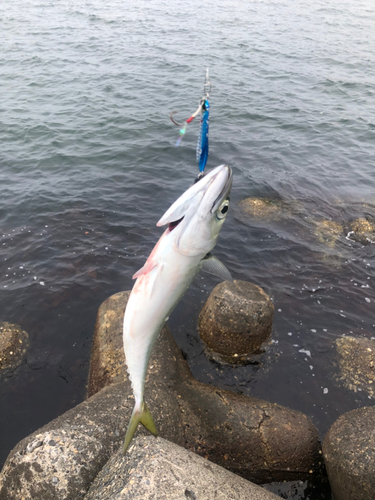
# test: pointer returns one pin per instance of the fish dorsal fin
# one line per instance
(149, 266)
(213, 265)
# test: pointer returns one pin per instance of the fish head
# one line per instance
(196, 217)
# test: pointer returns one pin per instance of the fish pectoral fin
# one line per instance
(213, 265)
(149, 266)
(144, 417)
(154, 270)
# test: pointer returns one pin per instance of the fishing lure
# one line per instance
(204, 111)
(202, 144)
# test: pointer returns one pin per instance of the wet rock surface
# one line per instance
(356, 359)
(328, 231)
(13, 346)
(235, 321)
(261, 441)
(155, 468)
(349, 454)
(107, 358)
(220, 425)
(266, 208)
(166, 364)
(81, 440)
(362, 230)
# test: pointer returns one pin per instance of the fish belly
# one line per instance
(151, 301)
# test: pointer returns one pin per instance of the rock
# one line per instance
(88, 434)
(328, 231)
(236, 320)
(60, 460)
(362, 230)
(261, 441)
(13, 346)
(349, 454)
(284, 439)
(166, 364)
(107, 356)
(262, 208)
(155, 468)
(357, 363)
(269, 209)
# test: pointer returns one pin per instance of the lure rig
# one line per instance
(204, 111)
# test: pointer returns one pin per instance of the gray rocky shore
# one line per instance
(212, 443)
(161, 469)
(255, 439)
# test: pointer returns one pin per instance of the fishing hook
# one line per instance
(189, 120)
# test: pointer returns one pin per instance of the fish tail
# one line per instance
(143, 416)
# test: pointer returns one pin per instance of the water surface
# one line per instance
(88, 166)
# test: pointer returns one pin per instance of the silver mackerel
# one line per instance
(194, 222)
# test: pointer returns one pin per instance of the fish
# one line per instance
(194, 222)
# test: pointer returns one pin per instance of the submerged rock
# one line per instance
(362, 230)
(155, 468)
(13, 346)
(357, 363)
(262, 208)
(269, 209)
(328, 231)
(236, 320)
(349, 455)
(261, 441)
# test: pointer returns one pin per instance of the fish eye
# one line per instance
(224, 207)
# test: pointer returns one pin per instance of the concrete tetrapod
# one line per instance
(349, 454)
(356, 359)
(261, 441)
(155, 469)
(13, 345)
(235, 321)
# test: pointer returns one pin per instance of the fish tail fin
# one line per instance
(147, 420)
(143, 416)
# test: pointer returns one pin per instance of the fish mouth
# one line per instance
(174, 224)
(212, 186)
